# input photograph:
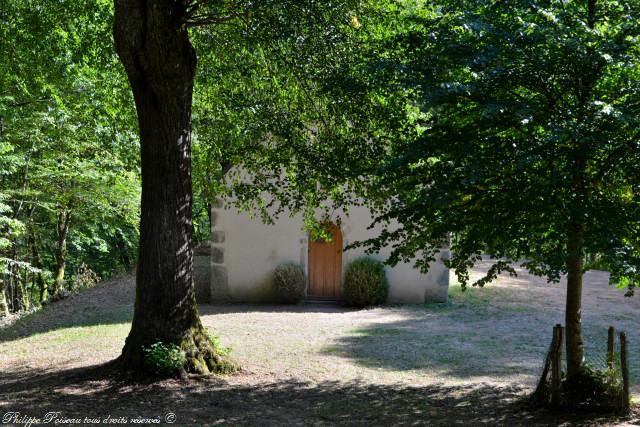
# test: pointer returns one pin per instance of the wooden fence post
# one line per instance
(610, 345)
(556, 366)
(541, 395)
(624, 364)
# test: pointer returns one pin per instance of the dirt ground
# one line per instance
(469, 362)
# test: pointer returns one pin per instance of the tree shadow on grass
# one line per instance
(467, 342)
(455, 342)
(95, 392)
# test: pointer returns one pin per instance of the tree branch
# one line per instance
(207, 19)
(615, 155)
(591, 20)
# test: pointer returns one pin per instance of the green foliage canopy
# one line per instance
(266, 129)
(521, 124)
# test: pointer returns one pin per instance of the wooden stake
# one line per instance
(625, 372)
(610, 341)
(540, 394)
(556, 366)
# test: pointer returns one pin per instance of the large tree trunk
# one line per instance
(153, 44)
(64, 217)
(573, 313)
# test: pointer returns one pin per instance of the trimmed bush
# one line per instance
(365, 283)
(290, 282)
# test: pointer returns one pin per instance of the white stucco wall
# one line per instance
(248, 252)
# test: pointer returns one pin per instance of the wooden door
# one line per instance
(325, 266)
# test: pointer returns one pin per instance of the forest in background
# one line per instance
(69, 172)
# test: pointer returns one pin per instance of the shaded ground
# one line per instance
(466, 362)
(83, 392)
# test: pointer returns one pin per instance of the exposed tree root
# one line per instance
(202, 356)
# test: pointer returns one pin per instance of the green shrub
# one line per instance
(290, 282)
(83, 278)
(164, 360)
(595, 389)
(365, 283)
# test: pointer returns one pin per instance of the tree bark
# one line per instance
(64, 217)
(591, 13)
(153, 44)
(122, 248)
(37, 263)
(13, 279)
(573, 312)
(22, 300)
(575, 244)
(4, 307)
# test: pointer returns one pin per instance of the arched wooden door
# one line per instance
(325, 266)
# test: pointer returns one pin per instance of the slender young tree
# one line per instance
(520, 136)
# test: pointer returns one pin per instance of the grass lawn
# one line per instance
(467, 362)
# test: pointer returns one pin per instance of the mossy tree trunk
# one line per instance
(4, 307)
(153, 44)
(64, 218)
(37, 263)
(22, 299)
